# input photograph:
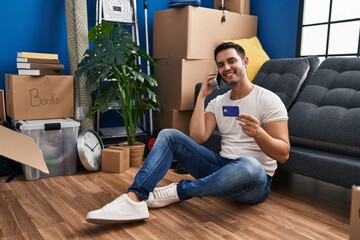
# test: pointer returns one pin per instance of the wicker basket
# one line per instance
(136, 153)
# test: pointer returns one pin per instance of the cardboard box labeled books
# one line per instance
(171, 118)
(177, 79)
(238, 6)
(355, 214)
(194, 32)
(43, 97)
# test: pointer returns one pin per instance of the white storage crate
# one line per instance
(56, 139)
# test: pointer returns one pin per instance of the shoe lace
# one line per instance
(165, 192)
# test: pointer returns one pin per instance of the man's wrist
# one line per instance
(257, 132)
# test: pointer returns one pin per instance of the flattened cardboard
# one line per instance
(45, 97)
(21, 148)
(177, 79)
(194, 32)
(2, 107)
(355, 214)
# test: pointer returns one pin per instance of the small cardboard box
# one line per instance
(238, 6)
(355, 214)
(125, 149)
(171, 118)
(194, 32)
(2, 107)
(115, 159)
(177, 79)
(29, 97)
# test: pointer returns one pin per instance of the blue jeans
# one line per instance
(243, 179)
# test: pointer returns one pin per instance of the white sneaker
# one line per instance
(122, 209)
(163, 196)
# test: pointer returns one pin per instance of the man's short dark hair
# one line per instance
(240, 51)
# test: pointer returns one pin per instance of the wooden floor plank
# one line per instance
(55, 208)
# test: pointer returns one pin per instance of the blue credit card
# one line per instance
(231, 111)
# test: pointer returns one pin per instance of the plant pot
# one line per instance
(136, 153)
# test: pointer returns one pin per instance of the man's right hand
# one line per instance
(207, 89)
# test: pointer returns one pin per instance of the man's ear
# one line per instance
(246, 61)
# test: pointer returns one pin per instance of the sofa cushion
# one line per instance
(326, 113)
(283, 77)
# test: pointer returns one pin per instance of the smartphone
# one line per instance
(231, 111)
(216, 81)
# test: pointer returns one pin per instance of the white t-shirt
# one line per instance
(261, 103)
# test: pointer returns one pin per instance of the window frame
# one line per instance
(328, 24)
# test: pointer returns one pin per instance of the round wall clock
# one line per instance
(89, 146)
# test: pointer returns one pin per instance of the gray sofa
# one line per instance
(323, 103)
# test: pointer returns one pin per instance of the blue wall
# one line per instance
(277, 26)
(39, 26)
(36, 25)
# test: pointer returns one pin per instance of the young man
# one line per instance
(252, 143)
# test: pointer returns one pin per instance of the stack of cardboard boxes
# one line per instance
(184, 42)
(42, 108)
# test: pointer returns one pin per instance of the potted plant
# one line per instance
(114, 75)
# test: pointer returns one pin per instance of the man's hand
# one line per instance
(272, 137)
(249, 124)
(207, 89)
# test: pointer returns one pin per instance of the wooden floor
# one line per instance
(55, 208)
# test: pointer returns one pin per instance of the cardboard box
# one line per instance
(177, 79)
(355, 214)
(238, 6)
(56, 139)
(194, 32)
(2, 107)
(115, 159)
(171, 118)
(45, 97)
(126, 150)
(21, 148)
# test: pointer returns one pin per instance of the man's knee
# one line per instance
(169, 132)
(250, 166)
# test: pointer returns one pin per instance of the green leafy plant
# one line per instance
(114, 75)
